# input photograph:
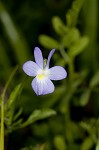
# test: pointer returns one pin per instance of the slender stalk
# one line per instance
(64, 54)
(2, 123)
(69, 61)
(2, 107)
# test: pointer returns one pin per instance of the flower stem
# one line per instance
(2, 107)
(2, 122)
(64, 54)
(69, 61)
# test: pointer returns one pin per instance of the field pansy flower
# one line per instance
(42, 83)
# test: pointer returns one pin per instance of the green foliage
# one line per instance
(59, 26)
(85, 97)
(71, 37)
(60, 143)
(13, 96)
(73, 13)
(12, 115)
(87, 144)
(97, 146)
(38, 115)
(67, 119)
(14, 36)
(48, 42)
(95, 80)
(78, 46)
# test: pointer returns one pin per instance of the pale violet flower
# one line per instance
(42, 83)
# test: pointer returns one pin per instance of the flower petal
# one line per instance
(49, 57)
(57, 73)
(38, 57)
(42, 87)
(30, 68)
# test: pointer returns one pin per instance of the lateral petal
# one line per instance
(30, 68)
(57, 73)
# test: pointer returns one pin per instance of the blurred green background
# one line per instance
(76, 99)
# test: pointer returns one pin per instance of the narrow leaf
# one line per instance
(70, 37)
(87, 144)
(84, 98)
(38, 115)
(14, 95)
(78, 46)
(59, 26)
(95, 80)
(73, 13)
(15, 38)
(97, 146)
(17, 114)
(48, 42)
(60, 143)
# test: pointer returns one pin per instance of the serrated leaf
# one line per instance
(95, 80)
(48, 42)
(14, 94)
(59, 26)
(78, 46)
(38, 115)
(73, 13)
(87, 144)
(72, 36)
(84, 98)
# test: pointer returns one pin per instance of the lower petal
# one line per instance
(42, 87)
(57, 73)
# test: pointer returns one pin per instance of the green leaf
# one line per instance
(15, 93)
(8, 82)
(85, 126)
(59, 26)
(84, 98)
(15, 38)
(97, 146)
(72, 36)
(38, 115)
(73, 13)
(87, 144)
(60, 143)
(17, 114)
(95, 80)
(78, 46)
(48, 42)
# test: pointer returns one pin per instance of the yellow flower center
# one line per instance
(41, 76)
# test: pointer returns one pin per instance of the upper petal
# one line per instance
(30, 68)
(49, 57)
(57, 73)
(42, 87)
(38, 57)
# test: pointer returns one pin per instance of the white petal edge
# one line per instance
(38, 57)
(30, 68)
(57, 73)
(42, 87)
